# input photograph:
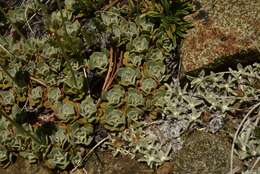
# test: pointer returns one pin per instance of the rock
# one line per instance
(203, 153)
(166, 168)
(103, 162)
(22, 166)
(223, 29)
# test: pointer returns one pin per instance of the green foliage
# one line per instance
(88, 109)
(30, 156)
(65, 111)
(36, 96)
(115, 95)
(82, 135)
(7, 97)
(99, 61)
(140, 44)
(114, 120)
(128, 76)
(148, 85)
(47, 62)
(134, 114)
(54, 94)
(133, 58)
(57, 158)
(60, 139)
(5, 158)
(154, 70)
(135, 98)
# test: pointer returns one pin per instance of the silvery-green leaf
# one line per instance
(98, 60)
(54, 94)
(73, 28)
(144, 24)
(65, 111)
(154, 70)
(135, 98)
(133, 58)
(7, 97)
(60, 138)
(114, 120)
(129, 29)
(140, 44)
(117, 32)
(74, 86)
(155, 55)
(42, 69)
(158, 97)
(30, 156)
(58, 158)
(128, 75)
(82, 135)
(88, 109)
(115, 95)
(77, 159)
(109, 18)
(51, 51)
(37, 93)
(148, 84)
(134, 114)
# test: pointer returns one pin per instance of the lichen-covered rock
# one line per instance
(203, 153)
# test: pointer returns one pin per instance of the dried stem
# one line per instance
(115, 70)
(236, 134)
(38, 81)
(91, 151)
(110, 68)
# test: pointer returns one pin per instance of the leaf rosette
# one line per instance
(140, 44)
(155, 70)
(82, 135)
(128, 76)
(115, 95)
(147, 85)
(135, 98)
(133, 59)
(88, 109)
(114, 120)
(98, 61)
(65, 111)
(58, 158)
(7, 97)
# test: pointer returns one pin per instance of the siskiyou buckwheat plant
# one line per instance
(69, 66)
